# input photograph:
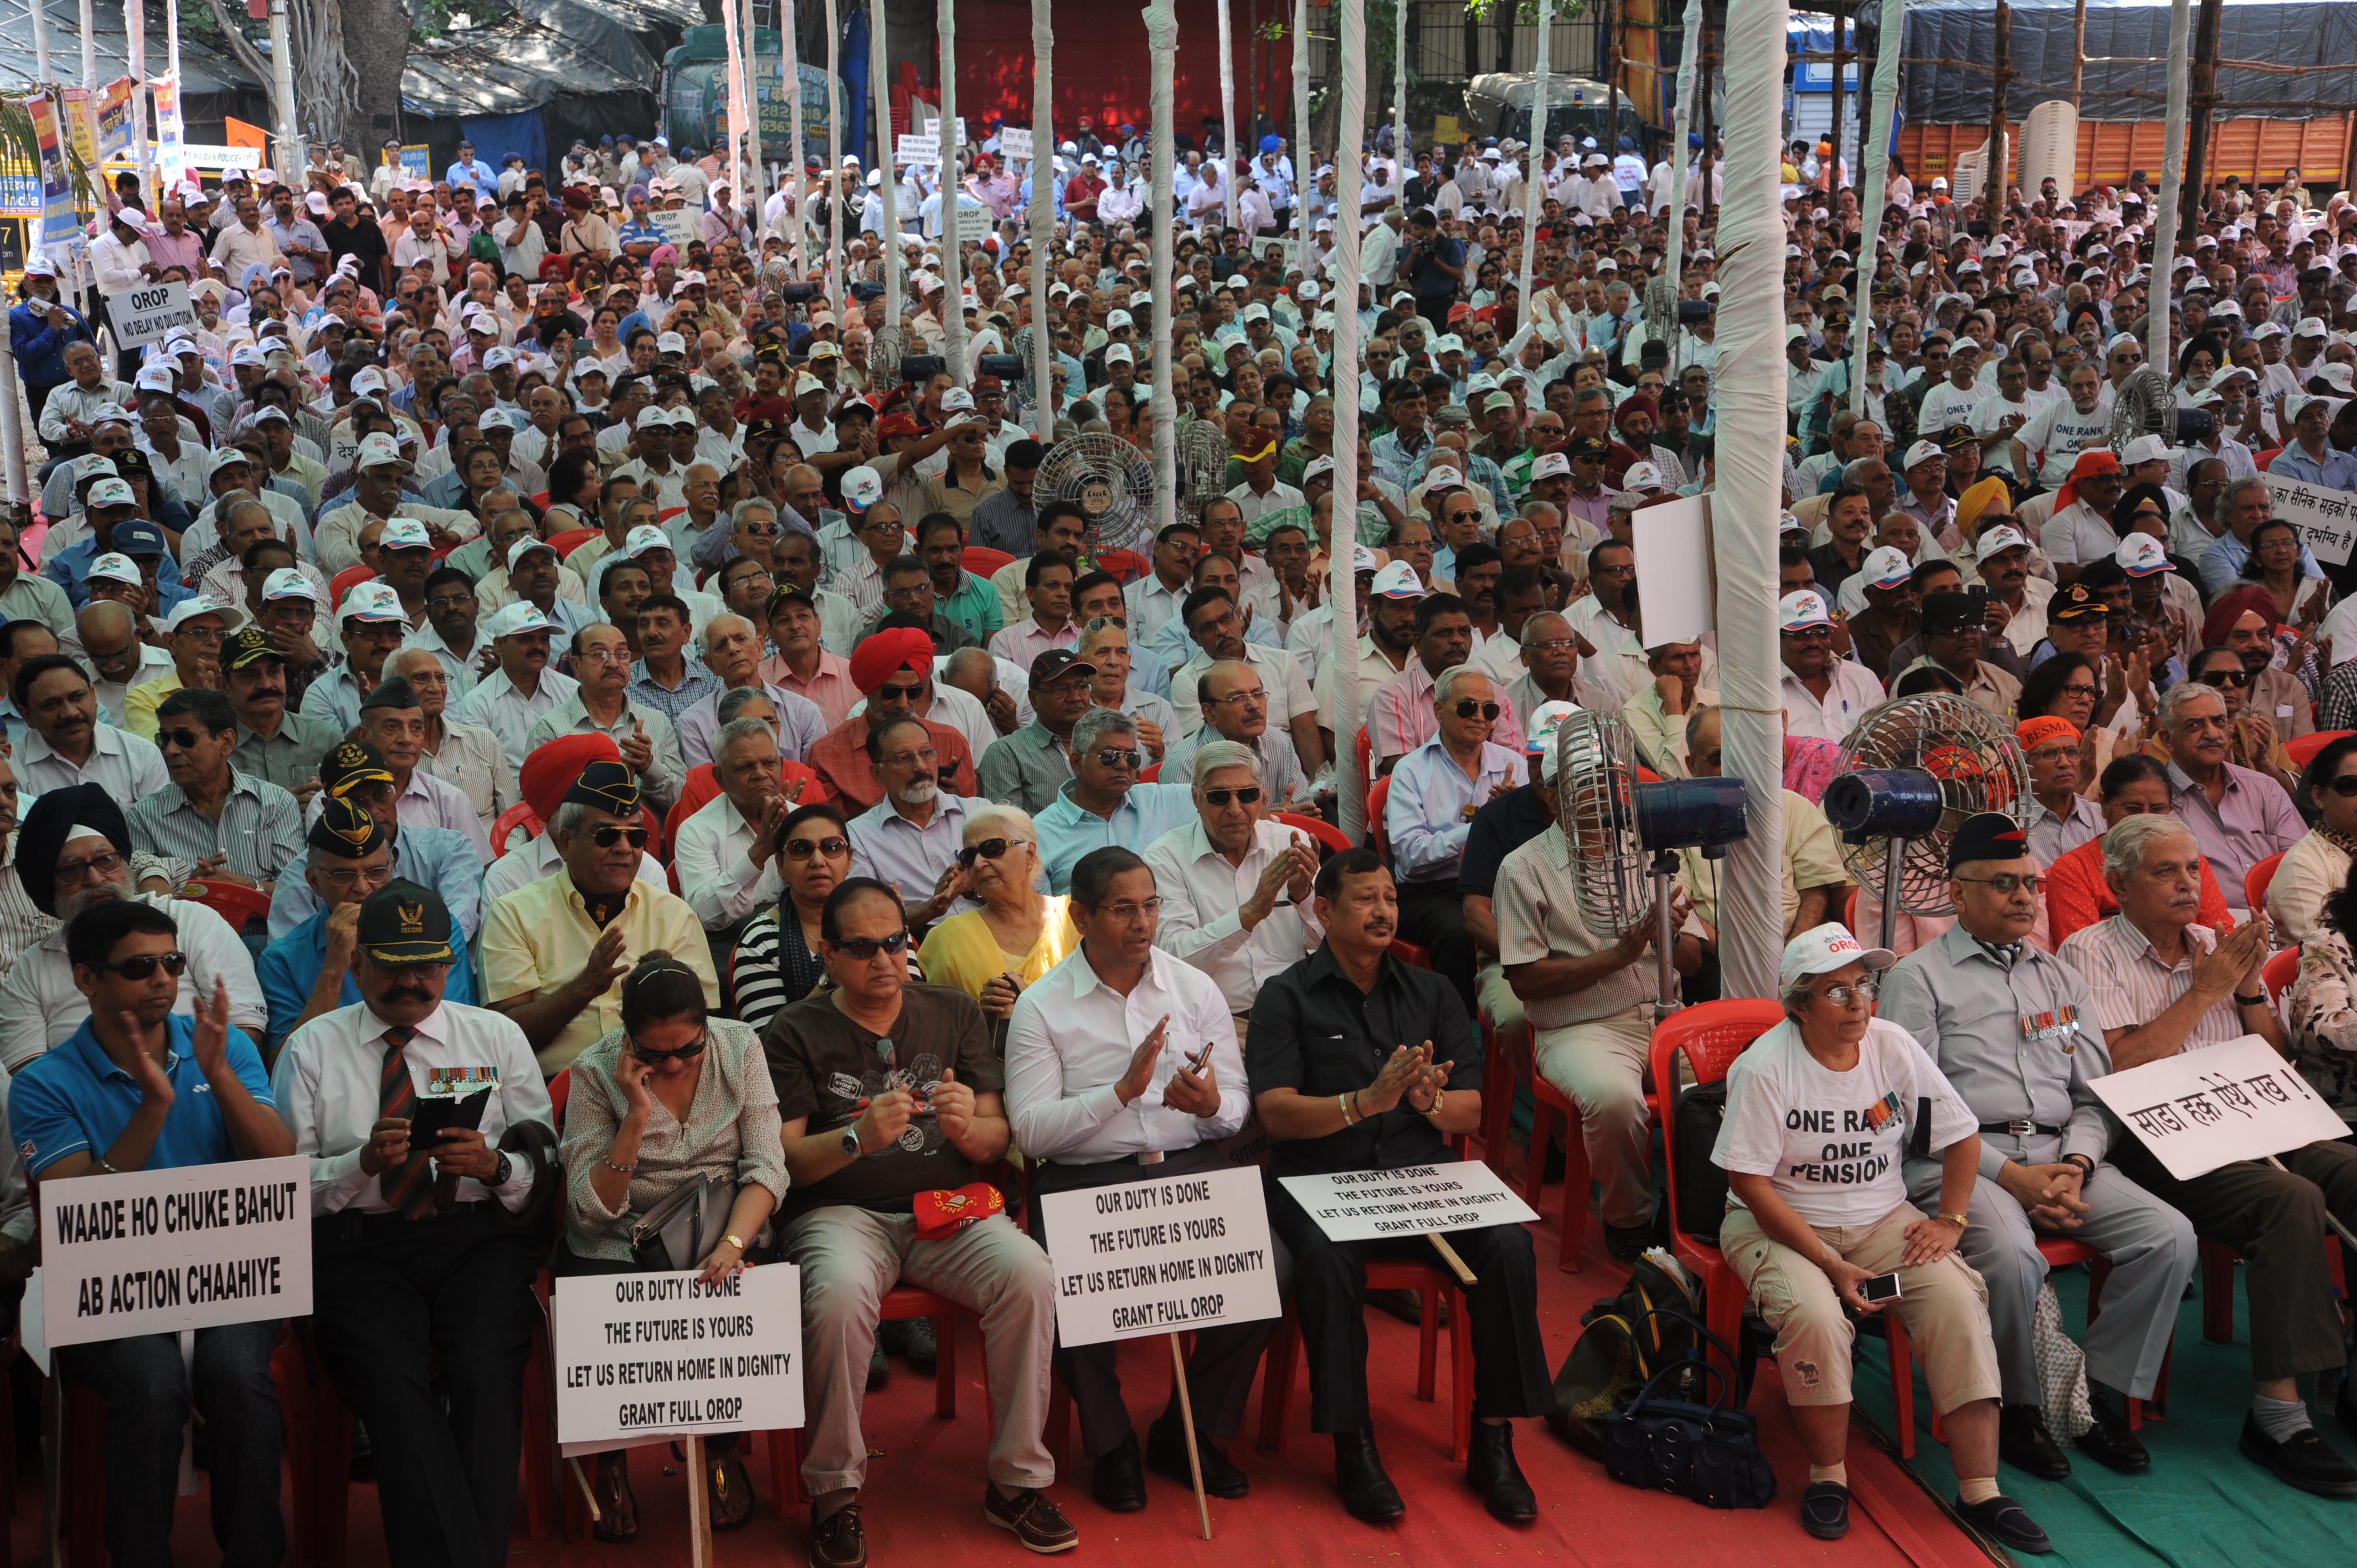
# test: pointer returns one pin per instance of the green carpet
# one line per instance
(2201, 1505)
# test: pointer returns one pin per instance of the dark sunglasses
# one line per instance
(2344, 785)
(183, 738)
(609, 835)
(1112, 758)
(2224, 678)
(988, 849)
(1468, 707)
(141, 965)
(865, 947)
(688, 1052)
(1249, 795)
(900, 694)
(802, 849)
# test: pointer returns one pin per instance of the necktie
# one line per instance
(409, 1189)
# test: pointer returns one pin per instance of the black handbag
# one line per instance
(1709, 1453)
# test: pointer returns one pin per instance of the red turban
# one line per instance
(554, 765)
(2231, 608)
(876, 657)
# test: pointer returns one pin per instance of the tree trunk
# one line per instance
(376, 41)
(1508, 13)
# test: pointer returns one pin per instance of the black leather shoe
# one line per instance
(1824, 1510)
(2109, 1441)
(1626, 1243)
(1119, 1486)
(2008, 1522)
(839, 1541)
(2345, 1407)
(1166, 1454)
(1491, 1470)
(2304, 1460)
(879, 1371)
(1358, 1476)
(2023, 1442)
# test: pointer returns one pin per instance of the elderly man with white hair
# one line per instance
(2162, 984)
(1235, 886)
(727, 851)
(2239, 817)
(1435, 790)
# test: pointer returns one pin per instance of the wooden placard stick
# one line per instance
(1448, 1255)
(1187, 1416)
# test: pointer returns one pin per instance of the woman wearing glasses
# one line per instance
(1018, 934)
(1819, 1111)
(2308, 880)
(777, 956)
(672, 1099)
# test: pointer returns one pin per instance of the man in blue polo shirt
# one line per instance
(140, 1087)
(116, 528)
(307, 973)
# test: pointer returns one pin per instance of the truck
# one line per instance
(695, 94)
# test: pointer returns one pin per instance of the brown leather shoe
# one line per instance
(1036, 1522)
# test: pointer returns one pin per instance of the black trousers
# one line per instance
(2276, 1220)
(388, 1294)
(1329, 1289)
(1432, 915)
(1220, 1373)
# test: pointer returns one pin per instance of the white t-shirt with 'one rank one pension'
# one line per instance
(1831, 1141)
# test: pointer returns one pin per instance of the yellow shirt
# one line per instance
(962, 952)
(539, 938)
(139, 704)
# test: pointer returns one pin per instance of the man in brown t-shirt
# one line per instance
(890, 1090)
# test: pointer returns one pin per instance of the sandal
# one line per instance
(732, 1492)
(618, 1506)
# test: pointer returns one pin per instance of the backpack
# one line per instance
(1696, 1117)
(1653, 1325)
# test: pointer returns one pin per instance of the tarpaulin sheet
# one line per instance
(2042, 47)
(505, 69)
(497, 136)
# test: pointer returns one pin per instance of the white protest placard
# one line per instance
(909, 149)
(2327, 519)
(195, 155)
(142, 315)
(975, 224)
(644, 1358)
(159, 1252)
(2208, 1108)
(1013, 142)
(1673, 570)
(933, 128)
(1160, 1255)
(1363, 1206)
(679, 226)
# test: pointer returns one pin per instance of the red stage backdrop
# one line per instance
(1102, 69)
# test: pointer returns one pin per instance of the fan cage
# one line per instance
(1966, 749)
(1596, 804)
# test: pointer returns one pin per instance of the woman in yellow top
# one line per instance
(1018, 935)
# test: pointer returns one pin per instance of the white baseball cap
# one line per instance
(1398, 581)
(2000, 540)
(289, 583)
(645, 537)
(2141, 555)
(525, 547)
(957, 400)
(404, 533)
(515, 619)
(1822, 949)
(2143, 449)
(110, 492)
(1921, 452)
(228, 458)
(1549, 466)
(379, 450)
(1802, 608)
(1888, 568)
(1315, 467)
(373, 602)
(116, 568)
(368, 379)
(1364, 560)
(189, 610)
(1639, 477)
(1546, 723)
(502, 355)
(863, 486)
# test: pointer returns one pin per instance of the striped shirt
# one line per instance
(696, 685)
(259, 829)
(2131, 986)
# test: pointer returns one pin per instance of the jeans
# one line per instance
(147, 1387)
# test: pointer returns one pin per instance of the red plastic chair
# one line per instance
(2218, 1260)
(1127, 564)
(1378, 795)
(703, 787)
(1431, 1283)
(2279, 971)
(2256, 881)
(573, 538)
(1318, 828)
(519, 815)
(2304, 749)
(900, 1303)
(234, 904)
(982, 560)
(2265, 461)
(1152, 775)
(1550, 1104)
(560, 1090)
(346, 580)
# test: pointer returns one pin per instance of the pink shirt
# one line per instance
(830, 688)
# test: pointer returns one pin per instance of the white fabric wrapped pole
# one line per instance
(1690, 73)
(887, 179)
(1399, 100)
(2172, 175)
(1533, 191)
(1162, 48)
(952, 252)
(1876, 163)
(751, 138)
(836, 192)
(738, 120)
(1750, 397)
(790, 25)
(1043, 215)
(1303, 172)
(1227, 122)
(1342, 591)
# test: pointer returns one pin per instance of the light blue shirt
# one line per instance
(1067, 832)
(2224, 561)
(1432, 805)
(2338, 470)
(890, 848)
(478, 174)
(1170, 649)
(441, 858)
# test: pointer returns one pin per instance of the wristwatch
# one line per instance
(500, 1172)
(851, 1140)
(2242, 1000)
(2087, 1166)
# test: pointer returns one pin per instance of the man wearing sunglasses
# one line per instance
(894, 670)
(74, 851)
(141, 1086)
(217, 820)
(1104, 802)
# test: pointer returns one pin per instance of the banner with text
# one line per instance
(1160, 1255)
(114, 118)
(58, 219)
(2326, 518)
(1360, 1206)
(82, 122)
(680, 229)
(159, 1252)
(1014, 142)
(150, 315)
(643, 1358)
(171, 155)
(2211, 1107)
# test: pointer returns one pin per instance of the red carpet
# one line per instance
(923, 1503)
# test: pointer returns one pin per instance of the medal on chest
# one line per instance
(2059, 1022)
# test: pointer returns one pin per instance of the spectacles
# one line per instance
(1126, 912)
(606, 656)
(1251, 793)
(186, 739)
(925, 758)
(897, 693)
(449, 602)
(72, 872)
(1848, 996)
(1237, 699)
(988, 849)
(1466, 708)
(2223, 678)
(756, 527)
(802, 849)
(608, 836)
(687, 1052)
(862, 948)
(1113, 757)
(2008, 883)
(139, 966)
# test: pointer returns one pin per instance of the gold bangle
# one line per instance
(1961, 1221)
(1438, 1096)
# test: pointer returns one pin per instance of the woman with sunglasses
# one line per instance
(2324, 998)
(1819, 1112)
(2309, 879)
(777, 954)
(1018, 934)
(672, 1097)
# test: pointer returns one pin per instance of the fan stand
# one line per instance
(1665, 866)
(1894, 859)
